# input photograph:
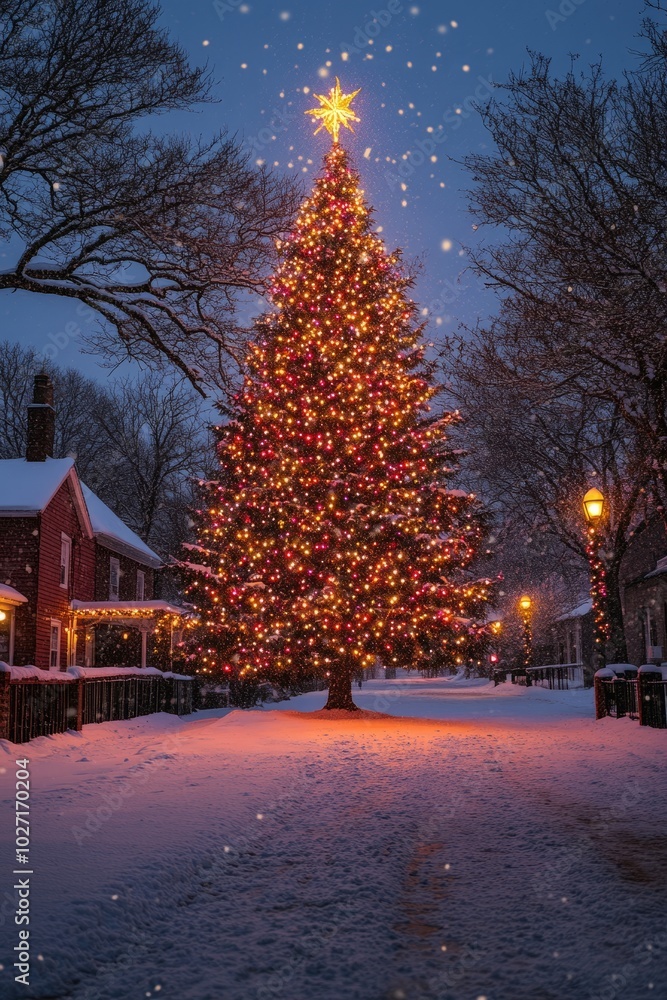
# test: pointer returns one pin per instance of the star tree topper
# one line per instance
(334, 111)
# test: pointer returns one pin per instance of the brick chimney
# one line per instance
(41, 420)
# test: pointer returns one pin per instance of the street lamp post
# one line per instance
(525, 608)
(594, 509)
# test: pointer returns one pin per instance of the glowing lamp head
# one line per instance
(593, 506)
(3, 616)
(525, 603)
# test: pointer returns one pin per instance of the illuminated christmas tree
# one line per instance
(331, 540)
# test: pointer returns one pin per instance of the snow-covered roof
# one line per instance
(27, 487)
(114, 533)
(30, 673)
(660, 567)
(581, 609)
(117, 606)
(10, 595)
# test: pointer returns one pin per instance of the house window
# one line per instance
(653, 651)
(54, 645)
(6, 626)
(141, 584)
(65, 559)
(114, 578)
(653, 631)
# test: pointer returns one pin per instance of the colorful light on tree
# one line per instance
(331, 539)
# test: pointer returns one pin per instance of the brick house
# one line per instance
(568, 640)
(643, 577)
(77, 585)
(573, 636)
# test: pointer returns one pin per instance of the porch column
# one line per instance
(71, 645)
(144, 643)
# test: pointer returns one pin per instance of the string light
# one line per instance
(601, 629)
(331, 539)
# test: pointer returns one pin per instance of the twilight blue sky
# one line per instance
(428, 59)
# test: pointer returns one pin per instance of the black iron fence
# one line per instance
(30, 707)
(558, 676)
(40, 709)
(112, 698)
(555, 676)
(652, 699)
(616, 697)
(636, 694)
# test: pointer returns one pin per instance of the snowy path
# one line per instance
(492, 843)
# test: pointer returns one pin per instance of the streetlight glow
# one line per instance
(593, 506)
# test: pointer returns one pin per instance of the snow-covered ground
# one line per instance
(484, 842)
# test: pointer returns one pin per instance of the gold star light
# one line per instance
(334, 111)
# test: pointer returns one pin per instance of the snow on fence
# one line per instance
(623, 690)
(555, 676)
(36, 702)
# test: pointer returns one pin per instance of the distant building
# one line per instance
(573, 635)
(570, 639)
(77, 586)
(643, 576)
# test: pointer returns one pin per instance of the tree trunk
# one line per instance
(340, 688)
(617, 651)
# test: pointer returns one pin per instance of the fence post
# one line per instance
(5, 681)
(80, 681)
(651, 697)
(600, 700)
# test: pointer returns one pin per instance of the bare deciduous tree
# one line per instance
(578, 188)
(158, 234)
(155, 442)
(533, 459)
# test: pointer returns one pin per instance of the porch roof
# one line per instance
(582, 609)
(112, 532)
(127, 609)
(8, 595)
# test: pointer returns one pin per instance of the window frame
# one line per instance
(114, 564)
(141, 575)
(55, 625)
(65, 564)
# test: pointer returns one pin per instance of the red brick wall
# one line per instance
(52, 599)
(128, 576)
(645, 548)
(647, 594)
(19, 564)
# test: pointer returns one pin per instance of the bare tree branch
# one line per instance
(159, 234)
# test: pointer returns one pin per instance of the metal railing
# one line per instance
(558, 676)
(642, 696)
(40, 709)
(30, 707)
(616, 697)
